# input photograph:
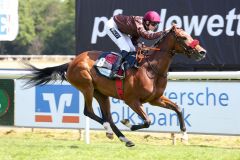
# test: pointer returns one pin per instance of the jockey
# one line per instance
(126, 30)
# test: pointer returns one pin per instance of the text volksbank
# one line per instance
(206, 98)
(159, 118)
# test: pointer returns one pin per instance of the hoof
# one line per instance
(184, 138)
(125, 121)
(184, 141)
(130, 144)
(109, 135)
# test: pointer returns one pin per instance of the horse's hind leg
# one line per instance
(82, 80)
(88, 110)
(107, 118)
(168, 104)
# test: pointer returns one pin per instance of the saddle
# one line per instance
(107, 61)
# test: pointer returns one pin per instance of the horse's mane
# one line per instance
(163, 35)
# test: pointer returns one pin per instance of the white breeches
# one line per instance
(123, 41)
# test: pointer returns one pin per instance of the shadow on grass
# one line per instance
(73, 147)
(215, 147)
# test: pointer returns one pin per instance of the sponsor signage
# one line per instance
(59, 100)
(6, 102)
(209, 107)
(48, 106)
(8, 20)
(216, 26)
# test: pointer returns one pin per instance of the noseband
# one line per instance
(188, 49)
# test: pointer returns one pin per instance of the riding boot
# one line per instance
(136, 65)
(131, 61)
(124, 53)
(116, 66)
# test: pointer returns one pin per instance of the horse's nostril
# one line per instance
(203, 52)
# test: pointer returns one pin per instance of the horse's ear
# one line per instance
(174, 25)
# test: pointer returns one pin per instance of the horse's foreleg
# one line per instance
(138, 108)
(168, 104)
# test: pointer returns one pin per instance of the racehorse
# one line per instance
(143, 85)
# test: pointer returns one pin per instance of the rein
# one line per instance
(141, 54)
(142, 50)
(188, 49)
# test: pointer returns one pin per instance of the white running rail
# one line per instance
(221, 75)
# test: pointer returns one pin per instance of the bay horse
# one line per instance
(143, 85)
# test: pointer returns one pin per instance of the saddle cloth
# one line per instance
(106, 61)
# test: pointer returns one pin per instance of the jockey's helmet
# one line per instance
(152, 16)
(151, 20)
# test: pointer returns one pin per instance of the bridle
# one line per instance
(188, 49)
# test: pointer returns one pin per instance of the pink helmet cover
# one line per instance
(152, 16)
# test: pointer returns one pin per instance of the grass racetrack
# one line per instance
(53, 144)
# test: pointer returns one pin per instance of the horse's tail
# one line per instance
(43, 76)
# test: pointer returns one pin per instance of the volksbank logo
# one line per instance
(57, 103)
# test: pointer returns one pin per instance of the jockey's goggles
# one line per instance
(154, 24)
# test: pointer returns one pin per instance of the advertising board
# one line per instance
(217, 27)
(6, 102)
(209, 107)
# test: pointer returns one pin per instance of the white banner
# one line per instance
(208, 107)
(8, 20)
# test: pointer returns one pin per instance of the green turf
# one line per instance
(64, 145)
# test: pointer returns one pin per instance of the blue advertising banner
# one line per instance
(54, 105)
(207, 108)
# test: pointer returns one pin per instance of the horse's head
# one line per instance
(186, 44)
